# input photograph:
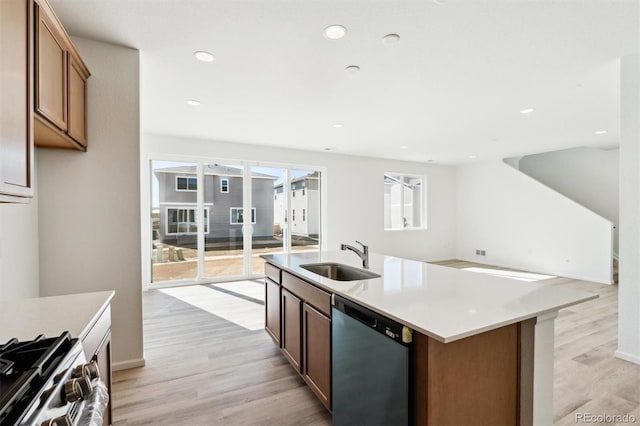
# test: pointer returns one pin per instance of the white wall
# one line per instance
(89, 203)
(354, 193)
(19, 249)
(523, 224)
(589, 176)
(629, 280)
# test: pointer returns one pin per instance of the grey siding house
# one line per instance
(223, 194)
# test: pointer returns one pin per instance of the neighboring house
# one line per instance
(224, 215)
(305, 205)
(403, 202)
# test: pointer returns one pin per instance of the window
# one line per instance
(303, 192)
(404, 202)
(304, 214)
(237, 215)
(185, 183)
(224, 185)
(293, 194)
(293, 215)
(185, 220)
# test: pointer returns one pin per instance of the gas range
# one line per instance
(48, 381)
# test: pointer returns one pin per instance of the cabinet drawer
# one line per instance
(272, 272)
(93, 339)
(319, 299)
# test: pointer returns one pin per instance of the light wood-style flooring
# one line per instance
(202, 368)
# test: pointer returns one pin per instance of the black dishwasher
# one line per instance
(371, 367)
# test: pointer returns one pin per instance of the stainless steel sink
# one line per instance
(339, 272)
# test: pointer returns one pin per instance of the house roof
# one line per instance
(212, 169)
(310, 176)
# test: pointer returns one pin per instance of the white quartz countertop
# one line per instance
(27, 318)
(444, 303)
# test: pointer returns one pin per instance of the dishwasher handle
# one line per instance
(361, 316)
(373, 320)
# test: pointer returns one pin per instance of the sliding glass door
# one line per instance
(223, 244)
(269, 202)
(211, 221)
(174, 225)
(305, 210)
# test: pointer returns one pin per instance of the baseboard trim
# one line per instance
(438, 259)
(627, 357)
(540, 271)
(125, 365)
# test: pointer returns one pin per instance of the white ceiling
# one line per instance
(451, 88)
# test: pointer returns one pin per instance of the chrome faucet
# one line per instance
(364, 253)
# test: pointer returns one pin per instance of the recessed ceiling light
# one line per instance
(338, 126)
(391, 39)
(527, 111)
(335, 32)
(193, 102)
(203, 56)
(473, 157)
(352, 69)
(600, 132)
(404, 147)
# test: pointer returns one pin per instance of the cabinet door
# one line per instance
(16, 140)
(317, 353)
(103, 359)
(272, 310)
(77, 102)
(51, 72)
(292, 329)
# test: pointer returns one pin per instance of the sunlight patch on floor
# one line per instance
(238, 310)
(521, 276)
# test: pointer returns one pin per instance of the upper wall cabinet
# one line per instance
(60, 85)
(16, 100)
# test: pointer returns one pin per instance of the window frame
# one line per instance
(223, 185)
(195, 210)
(187, 178)
(254, 215)
(423, 200)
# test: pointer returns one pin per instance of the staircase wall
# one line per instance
(589, 176)
(521, 223)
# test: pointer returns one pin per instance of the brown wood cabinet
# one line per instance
(97, 346)
(272, 309)
(304, 327)
(316, 364)
(292, 329)
(16, 100)
(77, 101)
(60, 85)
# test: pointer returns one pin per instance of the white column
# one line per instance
(543, 370)
(629, 235)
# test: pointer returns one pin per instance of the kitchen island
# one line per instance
(482, 345)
